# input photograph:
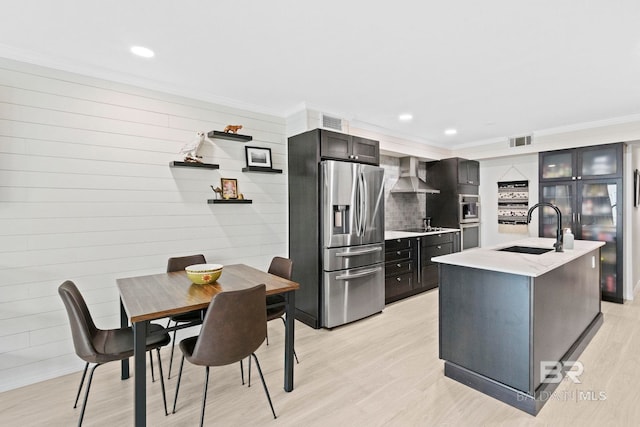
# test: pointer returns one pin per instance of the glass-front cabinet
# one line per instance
(586, 185)
(601, 161)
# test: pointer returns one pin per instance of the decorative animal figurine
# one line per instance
(191, 149)
(217, 190)
(232, 128)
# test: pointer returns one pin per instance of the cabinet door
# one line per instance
(558, 165)
(365, 150)
(334, 145)
(563, 195)
(468, 172)
(600, 161)
(600, 218)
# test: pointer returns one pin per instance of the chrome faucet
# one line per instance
(558, 243)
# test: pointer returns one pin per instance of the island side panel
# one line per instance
(485, 323)
(566, 301)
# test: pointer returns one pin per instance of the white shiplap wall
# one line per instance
(87, 194)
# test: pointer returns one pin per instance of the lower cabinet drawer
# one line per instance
(397, 285)
(436, 250)
(395, 268)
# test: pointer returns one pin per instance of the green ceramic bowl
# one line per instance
(203, 274)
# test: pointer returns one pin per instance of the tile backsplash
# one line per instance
(401, 210)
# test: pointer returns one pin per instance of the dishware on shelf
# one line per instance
(204, 274)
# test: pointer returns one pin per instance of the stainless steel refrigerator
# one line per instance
(352, 235)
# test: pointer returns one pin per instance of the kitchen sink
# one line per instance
(526, 250)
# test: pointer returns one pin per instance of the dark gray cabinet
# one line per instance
(586, 185)
(340, 146)
(431, 246)
(408, 266)
(575, 164)
(400, 268)
(468, 172)
(454, 174)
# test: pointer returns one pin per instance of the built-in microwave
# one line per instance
(469, 208)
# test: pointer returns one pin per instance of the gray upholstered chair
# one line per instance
(234, 326)
(100, 346)
(179, 264)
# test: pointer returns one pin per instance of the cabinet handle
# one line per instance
(356, 157)
(398, 253)
(573, 178)
(439, 247)
(398, 265)
(398, 279)
(578, 216)
(573, 217)
(579, 177)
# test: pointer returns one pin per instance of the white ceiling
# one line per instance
(491, 69)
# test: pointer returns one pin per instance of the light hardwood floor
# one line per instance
(381, 371)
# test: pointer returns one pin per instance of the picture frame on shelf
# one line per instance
(229, 188)
(259, 157)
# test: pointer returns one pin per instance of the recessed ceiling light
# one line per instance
(405, 117)
(142, 51)
(450, 132)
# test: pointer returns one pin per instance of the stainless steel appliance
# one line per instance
(469, 210)
(352, 230)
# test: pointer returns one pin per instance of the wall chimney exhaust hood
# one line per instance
(409, 181)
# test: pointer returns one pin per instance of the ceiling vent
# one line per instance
(520, 141)
(329, 122)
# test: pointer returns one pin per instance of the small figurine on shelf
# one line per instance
(240, 196)
(232, 128)
(217, 190)
(191, 149)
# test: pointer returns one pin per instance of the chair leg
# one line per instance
(173, 347)
(242, 371)
(153, 376)
(249, 375)
(86, 395)
(204, 395)
(175, 399)
(264, 384)
(164, 393)
(84, 374)
(294, 350)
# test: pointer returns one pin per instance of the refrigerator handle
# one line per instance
(357, 215)
(356, 275)
(364, 212)
(356, 253)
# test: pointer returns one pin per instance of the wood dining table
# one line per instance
(156, 296)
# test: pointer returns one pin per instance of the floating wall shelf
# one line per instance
(261, 169)
(230, 136)
(176, 164)
(231, 201)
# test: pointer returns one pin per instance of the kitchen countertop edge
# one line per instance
(517, 263)
(392, 234)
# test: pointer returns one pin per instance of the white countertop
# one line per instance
(517, 263)
(392, 234)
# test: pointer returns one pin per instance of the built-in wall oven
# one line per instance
(469, 208)
(469, 216)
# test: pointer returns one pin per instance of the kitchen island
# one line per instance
(508, 320)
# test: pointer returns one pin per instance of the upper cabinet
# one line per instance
(454, 174)
(339, 146)
(468, 172)
(600, 161)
